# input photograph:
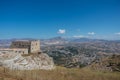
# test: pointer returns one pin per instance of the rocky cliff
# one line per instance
(26, 62)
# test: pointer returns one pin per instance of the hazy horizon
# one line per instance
(27, 38)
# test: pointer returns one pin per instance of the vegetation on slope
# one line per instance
(81, 54)
(60, 73)
(108, 64)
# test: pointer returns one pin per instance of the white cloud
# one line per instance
(80, 36)
(61, 31)
(91, 33)
(117, 33)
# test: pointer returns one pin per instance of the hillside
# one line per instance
(108, 64)
(81, 54)
(60, 73)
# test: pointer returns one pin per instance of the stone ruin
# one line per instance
(23, 47)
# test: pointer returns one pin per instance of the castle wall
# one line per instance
(20, 44)
(21, 51)
(14, 50)
(32, 46)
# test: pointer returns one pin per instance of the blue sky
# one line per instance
(67, 18)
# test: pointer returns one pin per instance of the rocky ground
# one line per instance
(26, 62)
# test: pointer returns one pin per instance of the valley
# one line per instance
(81, 59)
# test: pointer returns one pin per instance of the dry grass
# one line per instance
(60, 73)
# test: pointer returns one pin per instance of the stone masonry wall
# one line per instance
(35, 46)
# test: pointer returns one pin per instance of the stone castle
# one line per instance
(23, 47)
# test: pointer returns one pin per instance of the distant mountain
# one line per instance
(58, 38)
(54, 41)
(81, 40)
(5, 42)
(61, 40)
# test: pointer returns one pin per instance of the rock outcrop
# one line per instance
(26, 62)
